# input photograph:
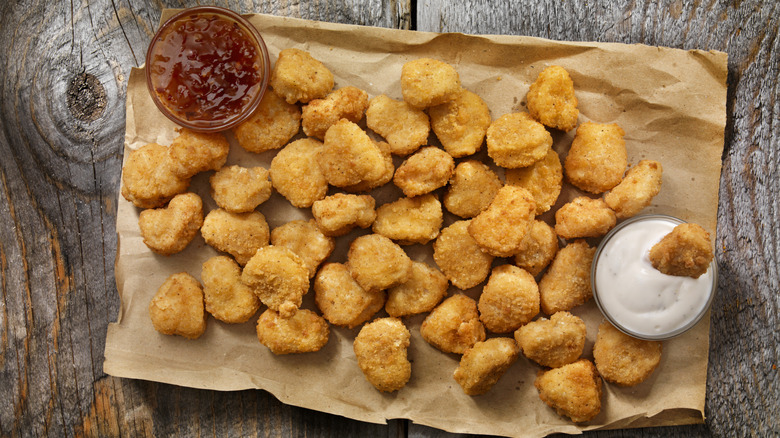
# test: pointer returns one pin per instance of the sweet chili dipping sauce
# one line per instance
(207, 68)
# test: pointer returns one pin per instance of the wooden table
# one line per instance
(62, 119)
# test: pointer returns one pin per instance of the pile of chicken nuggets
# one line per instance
(481, 216)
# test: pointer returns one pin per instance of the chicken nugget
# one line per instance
(305, 239)
(566, 284)
(622, 359)
(551, 99)
(584, 217)
(148, 179)
(341, 299)
(453, 326)
(597, 158)
(227, 298)
(427, 82)
(278, 277)
(298, 77)
(405, 128)
(638, 188)
(339, 213)
(238, 234)
(553, 342)
(459, 256)
(544, 179)
(517, 140)
(425, 171)
(345, 103)
(177, 307)
(381, 351)
(296, 175)
(686, 251)
(509, 299)
(375, 262)
(461, 124)
(482, 365)
(384, 178)
(194, 152)
(501, 227)
(573, 390)
(410, 220)
(349, 156)
(538, 248)
(472, 187)
(240, 189)
(169, 230)
(303, 332)
(270, 126)
(423, 290)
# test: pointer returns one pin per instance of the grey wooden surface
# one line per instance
(63, 84)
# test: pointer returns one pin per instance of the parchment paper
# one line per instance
(671, 103)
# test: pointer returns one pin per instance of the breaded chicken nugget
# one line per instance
(339, 213)
(686, 251)
(305, 239)
(169, 230)
(459, 256)
(296, 175)
(553, 342)
(482, 365)
(453, 326)
(345, 103)
(622, 359)
(240, 189)
(573, 390)
(638, 188)
(566, 283)
(538, 248)
(341, 299)
(238, 234)
(509, 299)
(425, 171)
(517, 140)
(194, 152)
(410, 220)
(551, 99)
(597, 158)
(349, 156)
(427, 82)
(461, 124)
(375, 262)
(381, 352)
(303, 332)
(298, 77)
(472, 187)
(227, 298)
(501, 227)
(148, 179)
(423, 290)
(544, 179)
(383, 179)
(271, 126)
(405, 128)
(177, 307)
(278, 277)
(584, 217)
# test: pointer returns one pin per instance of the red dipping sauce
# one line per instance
(207, 68)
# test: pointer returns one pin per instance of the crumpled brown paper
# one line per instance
(671, 103)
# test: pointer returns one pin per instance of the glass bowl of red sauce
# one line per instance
(207, 68)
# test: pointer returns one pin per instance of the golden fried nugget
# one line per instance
(622, 359)
(339, 213)
(345, 103)
(381, 351)
(169, 230)
(566, 283)
(423, 290)
(375, 262)
(517, 140)
(405, 128)
(278, 277)
(597, 158)
(227, 298)
(271, 126)
(538, 248)
(296, 175)
(194, 152)
(410, 220)
(573, 390)
(240, 189)
(349, 156)
(501, 227)
(341, 299)
(509, 299)
(425, 171)
(177, 307)
(383, 179)
(238, 234)
(459, 256)
(686, 252)
(305, 239)
(553, 342)
(303, 332)
(638, 188)
(551, 99)
(148, 179)
(453, 326)
(427, 82)
(584, 217)
(298, 77)
(544, 179)
(472, 187)
(482, 365)
(461, 124)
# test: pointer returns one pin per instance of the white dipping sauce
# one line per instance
(637, 297)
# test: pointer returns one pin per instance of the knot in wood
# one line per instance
(86, 97)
